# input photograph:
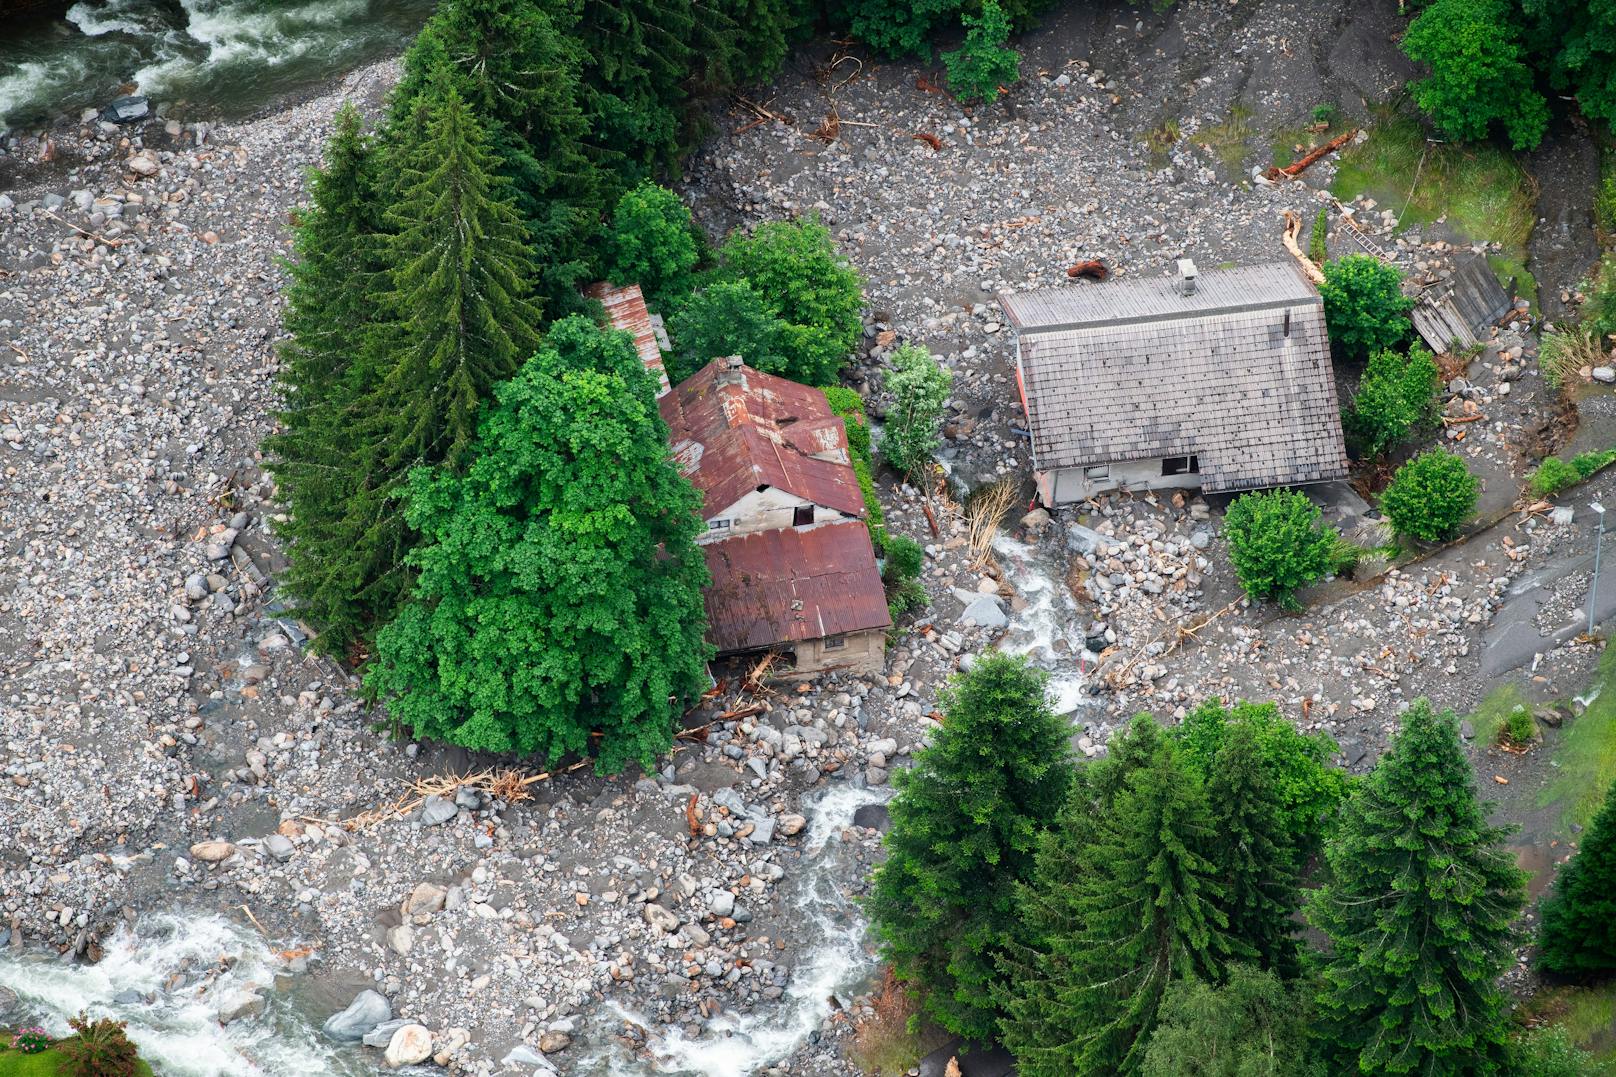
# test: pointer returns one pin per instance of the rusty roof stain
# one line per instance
(793, 584)
(734, 429)
(626, 309)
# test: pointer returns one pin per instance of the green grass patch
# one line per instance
(1228, 141)
(1507, 266)
(1585, 757)
(1588, 1014)
(1483, 192)
(1160, 141)
(46, 1063)
(1489, 718)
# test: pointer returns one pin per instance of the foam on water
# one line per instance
(178, 1032)
(1050, 615)
(832, 938)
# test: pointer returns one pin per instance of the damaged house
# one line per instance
(1219, 380)
(792, 566)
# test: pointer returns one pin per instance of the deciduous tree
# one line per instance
(964, 826)
(728, 317)
(1479, 72)
(984, 62)
(560, 589)
(1418, 907)
(1277, 544)
(914, 427)
(1397, 395)
(1365, 310)
(652, 243)
(1431, 496)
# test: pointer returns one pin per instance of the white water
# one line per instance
(832, 935)
(1051, 615)
(178, 1032)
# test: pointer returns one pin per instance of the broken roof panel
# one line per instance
(792, 584)
(1237, 373)
(626, 310)
(734, 429)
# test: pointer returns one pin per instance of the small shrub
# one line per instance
(1365, 309)
(905, 558)
(1430, 497)
(1589, 463)
(1396, 395)
(904, 597)
(847, 404)
(32, 1040)
(1317, 243)
(1345, 555)
(1549, 1052)
(1519, 728)
(1554, 475)
(1605, 200)
(1325, 114)
(1277, 545)
(101, 1049)
(977, 68)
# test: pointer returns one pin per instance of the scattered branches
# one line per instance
(984, 514)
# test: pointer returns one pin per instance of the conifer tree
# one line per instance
(454, 321)
(331, 302)
(637, 56)
(1254, 851)
(1418, 908)
(964, 826)
(560, 589)
(1578, 933)
(1123, 901)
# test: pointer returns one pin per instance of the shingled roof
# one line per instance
(1237, 373)
(734, 429)
(792, 584)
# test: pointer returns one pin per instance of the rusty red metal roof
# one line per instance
(793, 584)
(734, 429)
(625, 309)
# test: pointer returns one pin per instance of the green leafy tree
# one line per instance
(1580, 36)
(914, 428)
(1365, 310)
(898, 28)
(1253, 1025)
(1255, 851)
(849, 407)
(652, 243)
(1123, 901)
(794, 266)
(1431, 496)
(1479, 72)
(560, 589)
(453, 320)
(984, 62)
(1309, 789)
(518, 65)
(1397, 394)
(1277, 544)
(1418, 908)
(1578, 933)
(964, 827)
(728, 317)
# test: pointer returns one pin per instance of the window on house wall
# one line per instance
(1098, 472)
(835, 643)
(1181, 465)
(802, 515)
(717, 525)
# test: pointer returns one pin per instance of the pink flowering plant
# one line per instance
(30, 1041)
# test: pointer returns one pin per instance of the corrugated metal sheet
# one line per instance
(734, 430)
(788, 585)
(625, 309)
(1229, 384)
(1134, 299)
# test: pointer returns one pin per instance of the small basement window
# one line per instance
(717, 525)
(1181, 465)
(835, 643)
(802, 515)
(1098, 471)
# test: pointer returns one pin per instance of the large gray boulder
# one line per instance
(364, 1013)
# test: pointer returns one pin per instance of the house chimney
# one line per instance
(1186, 277)
(730, 372)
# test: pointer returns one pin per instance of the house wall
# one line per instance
(764, 510)
(1066, 485)
(864, 652)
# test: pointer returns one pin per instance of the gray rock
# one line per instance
(1201, 540)
(280, 847)
(127, 110)
(1084, 539)
(364, 1013)
(241, 1003)
(872, 817)
(660, 918)
(436, 811)
(762, 831)
(467, 797)
(196, 587)
(985, 612)
(1562, 515)
(1605, 374)
(720, 902)
(382, 1034)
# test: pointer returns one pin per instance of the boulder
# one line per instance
(1605, 374)
(791, 824)
(382, 1034)
(425, 899)
(211, 852)
(985, 612)
(409, 1045)
(127, 110)
(243, 1002)
(437, 810)
(365, 1012)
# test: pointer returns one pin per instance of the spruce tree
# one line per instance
(560, 589)
(1123, 901)
(1254, 852)
(331, 303)
(1578, 932)
(637, 57)
(1418, 908)
(964, 827)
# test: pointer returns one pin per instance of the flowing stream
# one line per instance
(835, 962)
(1049, 631)
(204, 58)
(167, 977)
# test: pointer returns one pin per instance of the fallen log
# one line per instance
(1293, 229)
(1297, 167)
(1093, 269)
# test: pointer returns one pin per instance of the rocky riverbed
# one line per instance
(166, 744)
